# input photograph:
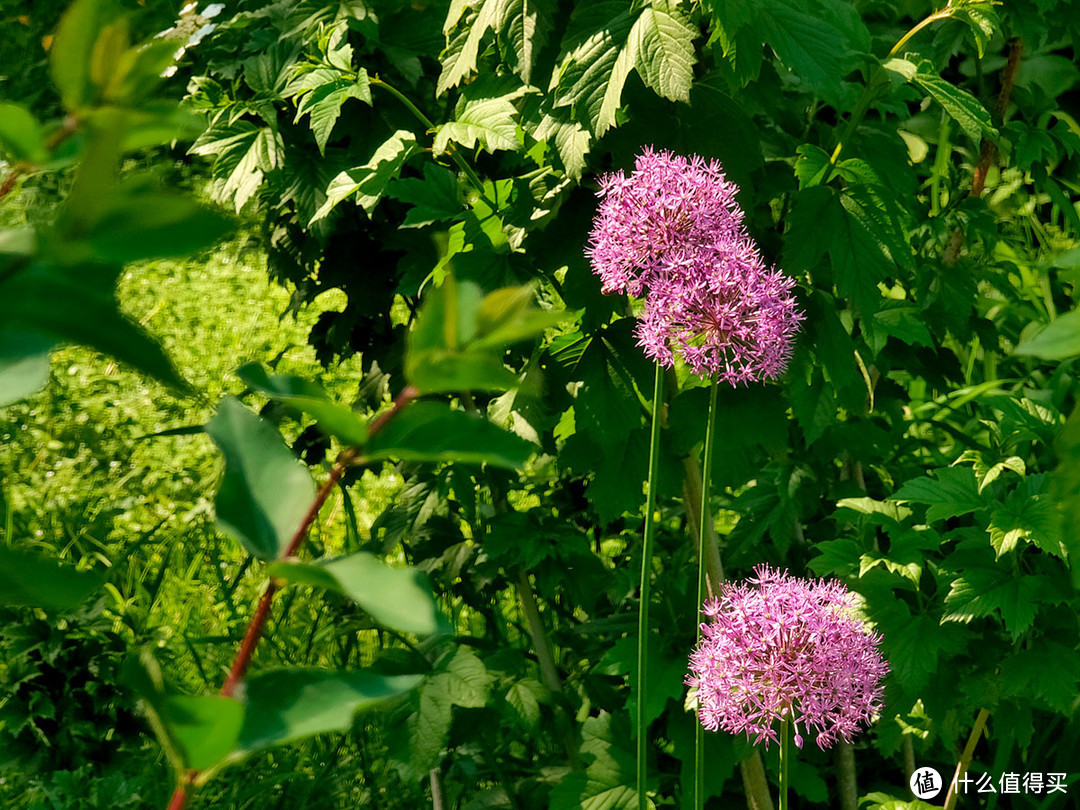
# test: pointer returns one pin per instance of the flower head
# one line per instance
(673, 232)
(778, 647)
(724, 312)
(667, 202)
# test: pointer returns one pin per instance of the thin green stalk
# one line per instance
(646, 570)
(704, 523)
(474, 178)
(784, 757)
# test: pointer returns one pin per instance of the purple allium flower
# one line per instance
(780, 647)
(673, 231)
(727, 314)
(668, 202)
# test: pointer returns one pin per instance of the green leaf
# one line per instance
(488, 123)
(506, 316)
(286, 705)
(24, 364)
(76, 304)
(398, 598)
(811, 165)
(607, 783)
(434, 199)
(27, 579)
(953, 492)
(914, 645)
(368, 182)
(521, 26)
(265, 490)
(590, 78)
(439, 370)
(1045, 669)
(322, 91)
(905, 323)
(659, 44)
(153, 225)
(245, 153)
(1058, 340)
(21, 136)
(961, 106)
(204, 728)
(335, 420)
(1032, 519)
(984, 590)
(433, 432)
(459, 680)
(525, 697)
(607, 408)
(73, 49)
(810, 44)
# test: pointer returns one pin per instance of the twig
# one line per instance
(257, 624)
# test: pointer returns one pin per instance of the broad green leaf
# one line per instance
(811, 165)
(73, 49)
(953, 492)
(152, 225)
(525, 697)
(591, 74)
(607, 783)
(883, 801)
(914, 645)
(658, 44)
(984, 590)
(506, 316)
(961, 106)
(840, 557)
(368, 182)
(606, 406)
(244, 154)
(1043, 669)
(1032, 519)
(905, 323)
(1058, 340)
(321, 93)
(433, 432)
(265, 490)
(287, 705)
(336, 420)
(810, 44)
(436, 198)
(459, 680)
(24, 364)
(30, 580)
(438, 370)
(21, 136)
(204, 728)
(76, 304)
(488, 123)
(398, 598)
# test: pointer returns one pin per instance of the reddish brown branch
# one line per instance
(62, 134)
(257, 624)
(987, 151)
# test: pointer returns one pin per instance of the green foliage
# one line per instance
(431, 166)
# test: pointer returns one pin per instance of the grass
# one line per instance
(83, 477)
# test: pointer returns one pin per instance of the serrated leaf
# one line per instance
(811, 165)
(840, 557)
(30, 580)
(961, 106)
(398, 598)
(524, 697)
(460, 680)
(1045, 669)
(607, 781)
(983, 590)
(1032, 519)
(914, 645)
(244, 154)
(436, 198)
(810, 45)
(322, 92)
(521, 25)
(488, 123)
(303, 395)
(368, 182)
(662, 47)
(287, 705)
(433, 432)
(954, 491)
(265, 490)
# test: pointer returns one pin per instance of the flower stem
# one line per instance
(784, 757)
(704, 523)
(965, 757)
(646, 570)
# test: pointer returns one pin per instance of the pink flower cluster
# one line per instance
(780, 647)
(673, 232)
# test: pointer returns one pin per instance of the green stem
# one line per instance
(873, 85)
(474, 178)
(646, 570)
(784, 756)
(703, 532)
